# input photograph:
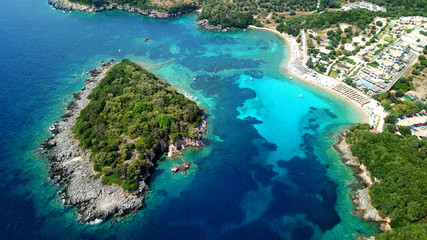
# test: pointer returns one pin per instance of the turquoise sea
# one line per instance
(268, 171)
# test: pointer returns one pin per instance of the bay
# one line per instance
(268, 171)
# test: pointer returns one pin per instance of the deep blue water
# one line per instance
(268, 171)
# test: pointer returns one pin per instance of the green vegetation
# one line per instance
(333, 74)
(329, 4)
(358, 17)
(226, 12)
(398, 108)
(350, 82)
(374, 64)
(223, 13)
(241, 13)
(404, 85)
(143, 5)
(391, 103)
(389, 39)
(400, 165)
(412, 231)
(419, 67)
(130, 113)
(351, 61)
(396, 8)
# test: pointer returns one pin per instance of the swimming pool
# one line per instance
(365, 83)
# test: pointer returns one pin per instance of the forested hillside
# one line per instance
(400, 165)
(241, 13)
(130, 113)
(358, 17)
(403, 7)
(169, 6)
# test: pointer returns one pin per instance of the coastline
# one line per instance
(72, 169)
(371, 112)
(361, 199)
(367, 112)
(68, 6)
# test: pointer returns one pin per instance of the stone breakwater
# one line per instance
(361, 199)
(68, 6)
(70, 165)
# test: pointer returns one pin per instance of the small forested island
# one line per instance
(392, 169)
(114, 131)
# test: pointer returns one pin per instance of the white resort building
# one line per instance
(402, 47)
(395, 56)
(386, 66)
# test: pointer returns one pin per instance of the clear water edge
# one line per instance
(47, 205)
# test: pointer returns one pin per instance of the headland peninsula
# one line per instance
(113, 132)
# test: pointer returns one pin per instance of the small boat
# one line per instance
(291, 78)
(119, 50)
(300, 95)
(194, 79)
(252, 78)
(244, 79)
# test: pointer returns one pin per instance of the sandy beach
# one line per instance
(371, 112)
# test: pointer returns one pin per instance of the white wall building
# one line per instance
(395, 56)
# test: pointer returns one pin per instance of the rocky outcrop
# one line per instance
(204, 24)
(182, 167)
(70, 166)
(179, 145)
(361, 199)
(68, 6)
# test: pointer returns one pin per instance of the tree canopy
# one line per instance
(130, 113)
(320, 21)
(224, 13)
(396, 8)
(400, 165)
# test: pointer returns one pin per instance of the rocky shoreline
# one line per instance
(68, 6)
(71, 168)
(204, 25)
(361, 199)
